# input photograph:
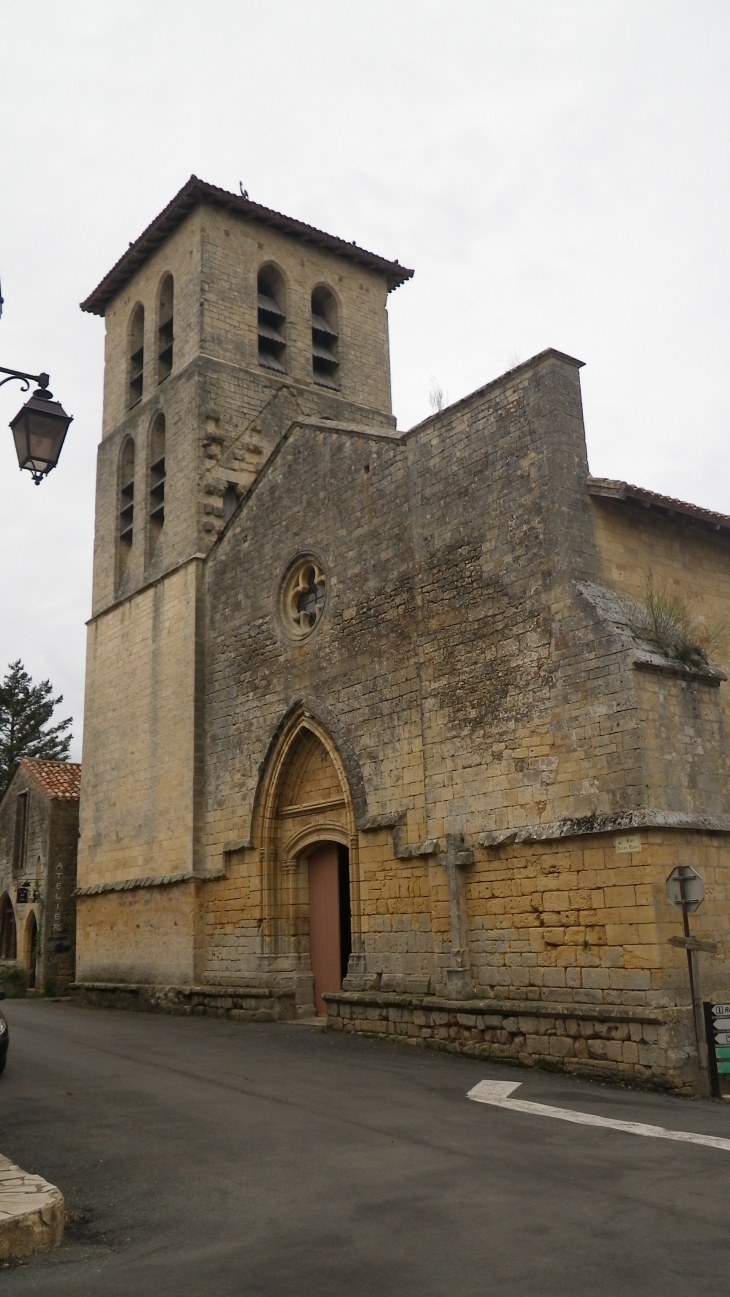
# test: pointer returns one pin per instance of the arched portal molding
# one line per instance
(323, 830)
(304, 798)
(311, 712)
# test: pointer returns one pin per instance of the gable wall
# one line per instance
(680, 554)
(49, 867)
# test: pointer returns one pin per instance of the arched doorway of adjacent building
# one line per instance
(31, 942)
(330, 930)
(8, 940)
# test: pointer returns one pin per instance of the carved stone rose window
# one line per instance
(302, 597)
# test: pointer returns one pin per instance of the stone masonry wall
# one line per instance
(682, 556)
(640, 1046)
(142, 935)
(35, 864)
(58, 958)
(49, 869)
(138, 793)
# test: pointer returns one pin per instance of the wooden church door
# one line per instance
(324, 922)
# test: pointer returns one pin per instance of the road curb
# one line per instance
(31, 1213)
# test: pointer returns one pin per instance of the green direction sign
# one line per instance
(721, 1033)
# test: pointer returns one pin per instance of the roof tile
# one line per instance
(59, 780)
(612, 489)
(197, 191)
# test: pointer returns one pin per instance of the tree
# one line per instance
(25, 710)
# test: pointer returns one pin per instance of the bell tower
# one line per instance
(225, 322)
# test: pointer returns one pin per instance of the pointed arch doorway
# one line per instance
(31, 951)
(330, 931)
(310, 884)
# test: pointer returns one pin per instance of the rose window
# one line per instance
(302, 597)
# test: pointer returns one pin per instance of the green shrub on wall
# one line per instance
(13, 980)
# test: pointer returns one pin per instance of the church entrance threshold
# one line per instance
(330, 940)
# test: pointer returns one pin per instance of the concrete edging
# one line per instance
(31, 1213)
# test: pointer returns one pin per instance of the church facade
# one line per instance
(374, 722)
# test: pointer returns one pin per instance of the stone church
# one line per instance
(372, 725)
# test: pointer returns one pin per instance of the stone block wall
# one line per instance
(140, 935)
(638, 1046)
(47, 868)
(681, 555)
(138, 789)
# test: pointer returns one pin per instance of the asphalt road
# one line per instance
(283, 1161)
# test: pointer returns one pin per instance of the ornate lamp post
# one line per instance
(39, 428)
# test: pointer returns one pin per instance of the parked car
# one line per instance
(4, 1037)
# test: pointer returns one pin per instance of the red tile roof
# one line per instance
(614, 490)
(59, 780)
(199, 191)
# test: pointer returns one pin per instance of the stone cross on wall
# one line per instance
(456, 859)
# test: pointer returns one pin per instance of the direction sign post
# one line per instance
(686, 890)
(717, 1020)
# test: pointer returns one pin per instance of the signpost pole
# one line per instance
(695, 987)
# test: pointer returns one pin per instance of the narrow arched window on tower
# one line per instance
(164, 329)
(231, 500)
(271, 319)
(136, 356)
(325, 338)
(21, 832)
(126, 503)
(157, 481)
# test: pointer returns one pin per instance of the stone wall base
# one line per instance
(647, 1047)
(242, 1003)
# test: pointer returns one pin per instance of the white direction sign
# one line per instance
(685, 880)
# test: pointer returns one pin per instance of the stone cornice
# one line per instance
(156, 880)
(396, 821)
(618, 823)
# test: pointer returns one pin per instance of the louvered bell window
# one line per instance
(136, 357)
(324, 339)
(126, 504)
(271, 320)
(157, 482)
(165, 329)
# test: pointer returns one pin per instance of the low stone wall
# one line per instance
(649, 1047)
(242, 1003)
(31, 1213)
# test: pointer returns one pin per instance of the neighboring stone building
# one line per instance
(365, 713)
(39, 830)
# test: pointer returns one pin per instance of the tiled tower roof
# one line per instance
(198, 191)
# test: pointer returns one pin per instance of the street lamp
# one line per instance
(39, 428)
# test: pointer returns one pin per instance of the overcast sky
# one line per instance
(555, 170)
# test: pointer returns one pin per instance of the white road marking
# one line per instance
(497, 1093)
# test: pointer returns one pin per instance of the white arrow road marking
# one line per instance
(497, 1093)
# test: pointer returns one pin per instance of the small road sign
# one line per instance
(685, 887)
(721, 1034)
